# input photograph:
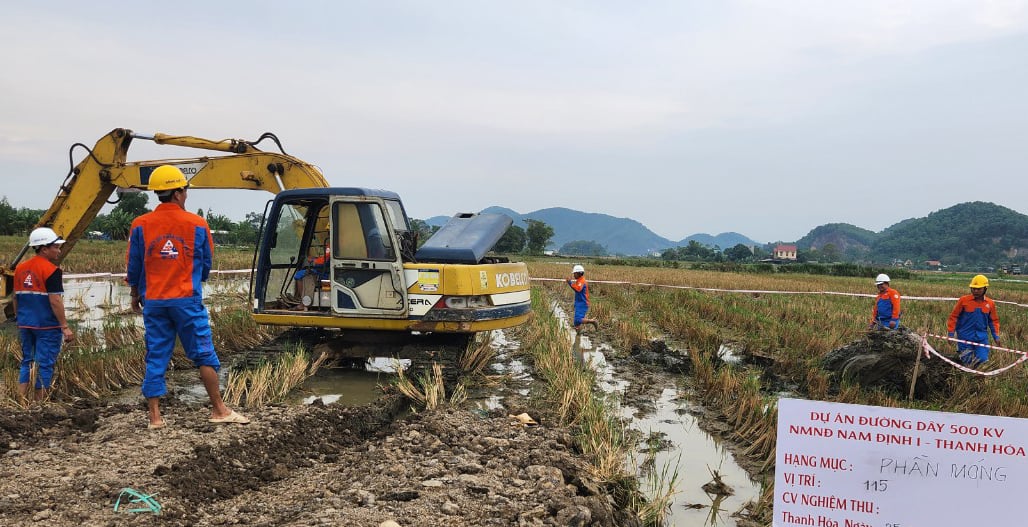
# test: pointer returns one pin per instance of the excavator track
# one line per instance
(355, 348)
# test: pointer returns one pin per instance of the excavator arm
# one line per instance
(105, 169)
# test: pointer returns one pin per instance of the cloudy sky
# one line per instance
(764, 117)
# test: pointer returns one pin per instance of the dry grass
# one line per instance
(659, 487)
(234, 329)
(601, 434)
(428, 390)
(102, 361)
(271, 381)
(98, 256)
(96, 364)
(475, 360)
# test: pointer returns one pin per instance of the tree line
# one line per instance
(115, 225)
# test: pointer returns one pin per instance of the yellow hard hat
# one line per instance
(167, 177)
(979, 280)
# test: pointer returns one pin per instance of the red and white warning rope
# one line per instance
(929, 351)
(769, 292)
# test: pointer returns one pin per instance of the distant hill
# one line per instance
(618, 235)
(971, 235)
(976, 233)
(725, 240)
(850, 241)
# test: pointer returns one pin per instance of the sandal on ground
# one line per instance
(233, 417)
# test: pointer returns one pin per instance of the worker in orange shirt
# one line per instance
(39, 303)
(581, 287)
(170, 254)
(886, 310)
(972, 319)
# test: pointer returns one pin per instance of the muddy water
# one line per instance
(91, 298)
(689, 450)
(695, 454)
(349, 385)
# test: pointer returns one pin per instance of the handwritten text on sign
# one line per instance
(844, 465)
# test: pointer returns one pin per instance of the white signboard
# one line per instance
(846, 465)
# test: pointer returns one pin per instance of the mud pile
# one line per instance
(311, 465)
(885, 359)
(657, 353)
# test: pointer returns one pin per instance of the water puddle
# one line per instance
(92, 298)
(696, 454)
(684, 446)
(347, 386)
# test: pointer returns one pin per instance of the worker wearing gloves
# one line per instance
(39, 303)
(972, 319)
(169, 257)
(886, 310)
(581, 288)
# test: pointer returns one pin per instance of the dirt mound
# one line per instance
(308, 465)
(253, 461)
(885, 359)
(26, 428)
(657, 353)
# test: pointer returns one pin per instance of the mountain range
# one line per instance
(974, 233)
(618, 235)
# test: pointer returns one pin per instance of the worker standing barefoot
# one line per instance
(581, 287)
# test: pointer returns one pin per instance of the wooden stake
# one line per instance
(913, 376)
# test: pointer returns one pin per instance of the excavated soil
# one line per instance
(308, 465)
(885, 359)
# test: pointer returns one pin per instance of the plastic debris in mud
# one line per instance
(134, 496)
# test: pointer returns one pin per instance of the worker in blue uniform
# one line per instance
(169, 257)
(39, 304)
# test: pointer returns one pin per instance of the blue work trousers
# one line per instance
(163, 323)
(40, 346)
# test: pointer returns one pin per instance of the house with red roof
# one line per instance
(784, 252)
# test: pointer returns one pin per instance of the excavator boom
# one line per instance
(105, 169)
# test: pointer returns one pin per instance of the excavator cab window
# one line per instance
(367, 275)
(361, 233)
(299, 258)
(405, 236)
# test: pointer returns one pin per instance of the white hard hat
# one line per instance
(44, 236)
(881, 279)
(578, 269)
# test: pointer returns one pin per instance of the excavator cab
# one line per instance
(346, 258)
(333, 252)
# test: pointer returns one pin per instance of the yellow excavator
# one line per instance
(341, 258)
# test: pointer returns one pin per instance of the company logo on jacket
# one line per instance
(169, 250)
